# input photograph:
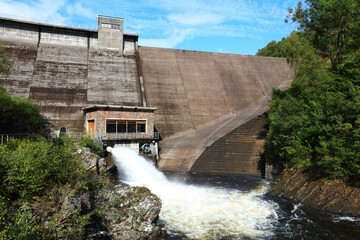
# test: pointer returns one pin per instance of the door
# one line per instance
(91, 127)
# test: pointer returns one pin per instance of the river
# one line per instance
(203, 206)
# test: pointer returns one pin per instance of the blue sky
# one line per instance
(229, 26)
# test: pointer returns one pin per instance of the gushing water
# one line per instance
(200, 212)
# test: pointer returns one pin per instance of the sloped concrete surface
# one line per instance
(203, 96)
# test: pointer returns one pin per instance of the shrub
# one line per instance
(87, 141)
(21, 227)
(19, 115)
(30, 167)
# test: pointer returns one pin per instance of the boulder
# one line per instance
(74, 205)
(91, 160)
(129, 212)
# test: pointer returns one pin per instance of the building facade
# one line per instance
(127, 126)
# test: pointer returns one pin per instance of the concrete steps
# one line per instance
(238, 152)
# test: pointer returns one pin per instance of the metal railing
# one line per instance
(126, 136)
(5, 138)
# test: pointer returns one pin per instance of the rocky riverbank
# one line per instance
(122, 213)
(95, 208)
(329, 195)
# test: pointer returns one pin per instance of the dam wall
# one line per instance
(203, 96)
(207, 103)
(62, 70)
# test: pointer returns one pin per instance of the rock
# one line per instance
(330, 195)
(70, 206)
(129, 212)
(91, 160)
(74, 205)
(100, 235)
(102, 162)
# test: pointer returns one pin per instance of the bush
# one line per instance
(21, 227)
(87, 141)
(30, 167)
(19, 115)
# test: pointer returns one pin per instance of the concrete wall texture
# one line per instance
(62, 72)
(202, 97)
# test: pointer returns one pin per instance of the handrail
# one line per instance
(4, 138)
(110, 136)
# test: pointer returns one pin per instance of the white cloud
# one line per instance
(79, 10)
(36, 10)
(195, 18)
(48, 11)
(230, 18)
(170, 41)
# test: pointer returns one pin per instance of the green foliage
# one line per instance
(35, 177)
(333, 28)
(318, 127)
(28, 167)
(87, 141)
(21, 227)
(273, 49)
(74, 228)
(316, 123)
(5, 62)
(19, 115)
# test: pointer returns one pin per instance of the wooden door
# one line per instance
(91, 127)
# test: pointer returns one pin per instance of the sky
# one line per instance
(225, 26)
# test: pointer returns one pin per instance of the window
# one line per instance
(125, 126)
(62, 131)
(110, 26)
(140, 127)
(132, 127)
(111, 126)
(122, 127)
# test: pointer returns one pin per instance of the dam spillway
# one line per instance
(207, 95)
(201, 97)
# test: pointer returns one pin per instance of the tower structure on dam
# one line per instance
(102, 83)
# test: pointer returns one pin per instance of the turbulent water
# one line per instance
(218, 207)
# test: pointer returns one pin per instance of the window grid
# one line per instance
(110, 26)
(126, 126)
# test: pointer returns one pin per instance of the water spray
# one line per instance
(200, 212)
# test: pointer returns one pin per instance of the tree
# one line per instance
(334, 29)
(315, 124)
(273, 49)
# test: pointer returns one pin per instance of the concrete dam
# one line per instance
(207, 107)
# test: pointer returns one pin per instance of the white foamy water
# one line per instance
(200, 212)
